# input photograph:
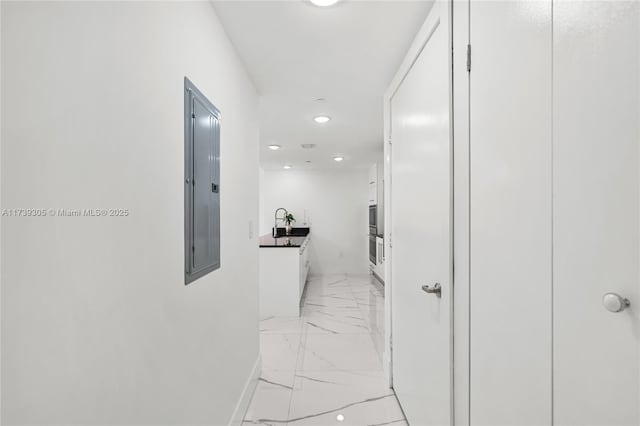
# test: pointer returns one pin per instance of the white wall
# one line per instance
(334, 203)
(97, 324)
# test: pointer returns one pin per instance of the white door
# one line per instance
(510, 213)
(421, 230)
(596, 214)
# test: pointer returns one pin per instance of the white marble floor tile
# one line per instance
(362, 383)
(277, 379)
(269, 406)
(327, 363)
(280, 325)
(362, 398)
(338, 352)
(337, 324)
(383, 410)
(279, 351)
(271, 400)
(324, 280)
(337, 284)
(330, 310)
(332, 304)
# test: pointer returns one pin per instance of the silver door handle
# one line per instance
(614, 302)
(436, 289)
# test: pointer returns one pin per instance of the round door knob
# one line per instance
(614, 302)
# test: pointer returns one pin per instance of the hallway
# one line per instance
(325, 367)
(320, 212)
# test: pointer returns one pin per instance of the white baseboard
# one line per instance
(386, 364)
(247, 393)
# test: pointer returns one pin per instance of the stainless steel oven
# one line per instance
(372, 249)
(373, 220)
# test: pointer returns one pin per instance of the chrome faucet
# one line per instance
(274, 232)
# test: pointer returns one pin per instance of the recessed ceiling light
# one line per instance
(321, 119)
(287, 166)
(340, 418)
(324, 3)
(338, 158)
(274, 147)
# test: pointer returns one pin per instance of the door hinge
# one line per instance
(468, 58)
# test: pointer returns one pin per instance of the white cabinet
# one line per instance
(373, 194)
(555, 212)
(283, 275)
(376, 193)
(373, 185)
(373, 173)
(303, 265)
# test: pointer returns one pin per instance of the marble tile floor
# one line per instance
(324, 368)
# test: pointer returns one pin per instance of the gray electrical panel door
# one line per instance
(202, 184)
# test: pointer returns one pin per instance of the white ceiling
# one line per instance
(296, 52)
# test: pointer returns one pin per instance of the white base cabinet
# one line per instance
(283, 275)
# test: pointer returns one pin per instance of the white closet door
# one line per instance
(596, 211)
(510, 186)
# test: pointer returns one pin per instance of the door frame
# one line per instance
(458, 15)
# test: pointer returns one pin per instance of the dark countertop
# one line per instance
(291, 241)
(299, 235)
